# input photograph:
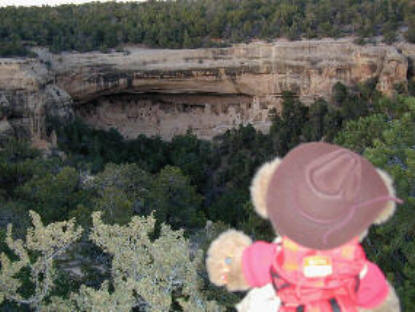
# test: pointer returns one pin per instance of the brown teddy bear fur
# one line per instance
(262, 178)
(231, 244)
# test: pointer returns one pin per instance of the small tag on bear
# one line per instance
(317, 266)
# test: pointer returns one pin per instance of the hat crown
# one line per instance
(323, 195)
(335, 175)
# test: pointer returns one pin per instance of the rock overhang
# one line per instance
(258, 71)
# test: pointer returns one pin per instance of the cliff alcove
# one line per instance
(166, 92)
(167, 115)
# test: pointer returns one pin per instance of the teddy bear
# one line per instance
(321, 200)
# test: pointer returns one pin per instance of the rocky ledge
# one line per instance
(166, 92)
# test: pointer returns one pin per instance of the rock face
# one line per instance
(166, 92)
(408, 50)
(28, 96)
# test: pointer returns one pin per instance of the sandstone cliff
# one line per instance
(166, 92)
(408, 50)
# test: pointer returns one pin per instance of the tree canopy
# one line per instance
(196, 23)
(125, 194)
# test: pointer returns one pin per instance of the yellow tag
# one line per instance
(317, 266)
(348, 252)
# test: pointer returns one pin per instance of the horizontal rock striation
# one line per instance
(166, 92)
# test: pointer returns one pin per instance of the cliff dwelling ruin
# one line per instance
(168, 92)
(167, 115)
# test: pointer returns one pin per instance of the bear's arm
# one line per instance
(257, 261)
(224, 260)
(375, 293)
(234, 262)
(391, 304)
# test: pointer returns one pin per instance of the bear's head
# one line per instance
(321, 195)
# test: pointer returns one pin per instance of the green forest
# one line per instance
(198, 23)
(105, 224)
(100, 223)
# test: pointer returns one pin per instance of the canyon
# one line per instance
(167, 92)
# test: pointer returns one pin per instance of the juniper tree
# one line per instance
(154, 273)
(388, 142)
(149, 274)
(43, 244)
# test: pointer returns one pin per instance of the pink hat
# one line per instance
(322, 195)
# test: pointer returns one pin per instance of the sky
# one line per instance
(48, 2)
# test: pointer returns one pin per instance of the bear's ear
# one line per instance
(390, 207)
(260, 185)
